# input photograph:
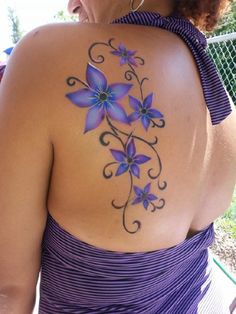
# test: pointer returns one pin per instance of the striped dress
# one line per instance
(77, 277)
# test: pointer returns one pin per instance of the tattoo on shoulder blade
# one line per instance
(104, 103)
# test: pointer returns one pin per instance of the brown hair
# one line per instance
(203, 13)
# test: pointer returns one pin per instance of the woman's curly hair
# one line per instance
(205, 14)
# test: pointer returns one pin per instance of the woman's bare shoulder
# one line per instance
(45, 42)
(61, 32)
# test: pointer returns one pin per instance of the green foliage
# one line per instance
(228, 220)
(223, 53)
(228, 22)
(15, 26)
(62, 16)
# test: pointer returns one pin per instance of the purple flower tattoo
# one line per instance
(143, 196)
(143, 111)
(129, 159)
(101, 98)
(126, 56)
(104, 101)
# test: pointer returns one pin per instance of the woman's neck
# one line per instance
(163, 7)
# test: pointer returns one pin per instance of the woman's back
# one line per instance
(107, 128)
(195, 160)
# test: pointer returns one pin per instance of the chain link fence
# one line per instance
(222, 49)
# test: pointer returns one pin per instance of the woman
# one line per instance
(117, 154)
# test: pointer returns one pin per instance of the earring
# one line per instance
(132, 5)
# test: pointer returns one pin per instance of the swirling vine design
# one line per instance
(130, 162)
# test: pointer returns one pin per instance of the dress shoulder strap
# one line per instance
(215, 94)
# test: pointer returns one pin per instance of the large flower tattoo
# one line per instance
(144, 196)
(101, 98)
(126, 56)
(128, 159)
(143, 111)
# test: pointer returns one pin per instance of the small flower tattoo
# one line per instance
(101, 98)
(143, 111)
(126, 56)
(129, 160)
(143, 196)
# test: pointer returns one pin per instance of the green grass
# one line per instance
(228, 220)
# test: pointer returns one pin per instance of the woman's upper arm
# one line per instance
(26, 157)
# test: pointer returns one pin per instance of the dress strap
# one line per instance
(215, 94)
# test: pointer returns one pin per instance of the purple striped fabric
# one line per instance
(77, 277)
(2, 69)
(216, 97)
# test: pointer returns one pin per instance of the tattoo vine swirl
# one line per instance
(100, 100)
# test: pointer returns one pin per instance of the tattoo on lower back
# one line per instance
(104, 103)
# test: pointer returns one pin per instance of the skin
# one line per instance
(91, 11)
(48, 164)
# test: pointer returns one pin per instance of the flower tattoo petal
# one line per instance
(94, 118)
(131, 150)
(122, 168)
(119, 90)
(137, 190)
(141, 159)
(153, 113)
(118, 155)
(135, 170)
(134, 103)
(146, 122)
(117, 112)
(101, 98)
(128, 159)
(145, 203)
(126, 56)
(95, 78)
(82, 98)
(147, 103)
(147, 188)
(143, 196)
(151, 197)
(137, 201)
(134, 116)
(143, 111)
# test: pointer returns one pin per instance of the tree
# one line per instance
(228, 22)
(62, 16)
(15, 26)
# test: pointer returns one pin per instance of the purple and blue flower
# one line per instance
(144, 196)
(126, 56)
(128, 159)
(143, 111)
(101, 98)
